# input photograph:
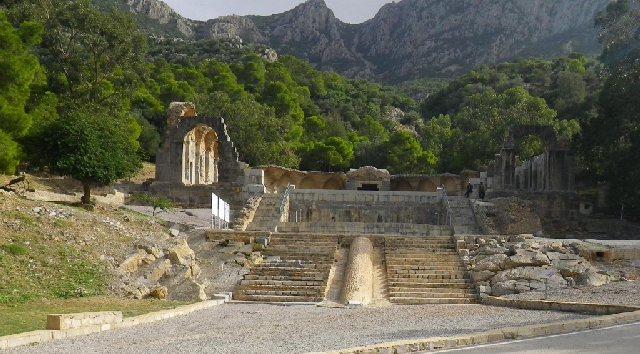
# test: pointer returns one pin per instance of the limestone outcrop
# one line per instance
(500, 267)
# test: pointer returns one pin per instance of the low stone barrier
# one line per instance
(586, 308)
(82, 324)
(85, 319)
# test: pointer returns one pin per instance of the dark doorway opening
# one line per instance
(369, 187)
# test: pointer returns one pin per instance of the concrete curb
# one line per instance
(35, 337)
(626, 314)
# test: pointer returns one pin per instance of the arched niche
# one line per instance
(334, 183)
(451, 185)
(426, 185)
(402, 185)
(309, 182)
(287, 178)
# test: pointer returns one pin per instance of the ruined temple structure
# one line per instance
(197, 158)
(552, 171)
(547, 179)
(363, 236)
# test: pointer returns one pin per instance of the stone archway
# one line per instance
(426, 185)
(200, 160)
(287, 178)
(334, 183)
(451, 185)
(309, 182)
(401, 185)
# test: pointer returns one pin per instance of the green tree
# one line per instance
(91, 57)
(95, 62)
(484, 124)
(612, 139)
(404, 154)
(94, 146)
(19, 71)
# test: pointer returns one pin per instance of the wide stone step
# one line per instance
(431, 295)
(432, 256)
(297, 273)
(249, 288)
(404, 276)
(287, 282)
(426, 271)
(420, 245)
(421, 261)
(435, 301)
(317, 277)
(280, 292)
(441, 287)
(292, 264)
(431, 283)
(423, 252)
(281, 298)
(301, 250)
(297, 238)
(426, 267)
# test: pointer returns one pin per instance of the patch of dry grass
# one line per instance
(32, 315)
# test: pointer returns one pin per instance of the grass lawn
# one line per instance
(32, 315)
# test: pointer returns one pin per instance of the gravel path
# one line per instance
(262, 328)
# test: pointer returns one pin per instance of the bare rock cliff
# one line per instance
(408, 38)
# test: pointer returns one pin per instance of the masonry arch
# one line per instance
(309, 182)
(334, 183)
(287, 178)
(200, 156)
(451, 185)
(402, 185)
(426, 185)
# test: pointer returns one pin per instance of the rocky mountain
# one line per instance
(409, 38)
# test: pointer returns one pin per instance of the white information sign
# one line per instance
(220, 212)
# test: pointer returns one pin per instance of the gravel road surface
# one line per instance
(268, 328)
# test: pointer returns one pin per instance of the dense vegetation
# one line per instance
(65, 74)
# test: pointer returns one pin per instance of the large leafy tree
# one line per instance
(91, 57)
(95, 62)
(95, 146)
(19, 70)
(403, 154)
(613, 138)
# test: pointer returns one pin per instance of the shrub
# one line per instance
(15, 249)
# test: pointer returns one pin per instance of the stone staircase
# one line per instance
(268, 214)
(464, 220)
(296, 269)
(426, 271)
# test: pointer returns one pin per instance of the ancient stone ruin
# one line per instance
(367, 236)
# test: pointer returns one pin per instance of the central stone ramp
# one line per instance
(426, 271)
(296, 269)
(464, 220)
(268, 213)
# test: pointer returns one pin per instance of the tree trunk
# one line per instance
(86, 198)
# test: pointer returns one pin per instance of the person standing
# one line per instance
(469, 190)
(481, 191)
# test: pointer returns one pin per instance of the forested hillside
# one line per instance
(83, 93)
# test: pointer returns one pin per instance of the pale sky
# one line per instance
(350, 11)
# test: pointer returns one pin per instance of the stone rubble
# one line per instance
(499, 267)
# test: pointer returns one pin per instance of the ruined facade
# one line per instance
(197, 158)
(547, 179)
(552, 171)
(196, 150)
